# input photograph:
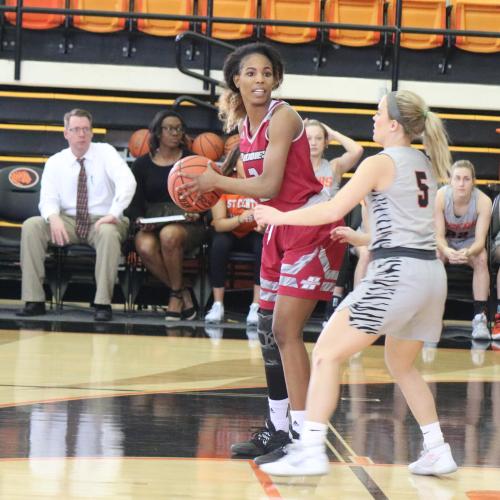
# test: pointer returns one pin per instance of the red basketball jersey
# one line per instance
(299, 182)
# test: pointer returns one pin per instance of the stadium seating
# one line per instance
(158, 27)
(420, 14)
(291, 10)
(230, 8)
(37, 21)
(479, 15)
(97, 24)
(354, 12)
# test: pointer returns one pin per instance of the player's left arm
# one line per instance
(374, 173)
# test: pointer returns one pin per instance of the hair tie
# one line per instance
(426, 113)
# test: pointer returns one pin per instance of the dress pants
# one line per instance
(107, 242)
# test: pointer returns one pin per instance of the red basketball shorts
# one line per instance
(299, 261)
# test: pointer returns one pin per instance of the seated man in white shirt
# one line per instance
(104, 185)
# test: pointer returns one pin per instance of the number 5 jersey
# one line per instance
(403, 214)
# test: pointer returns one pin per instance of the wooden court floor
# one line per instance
(101, 415)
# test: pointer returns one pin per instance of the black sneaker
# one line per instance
(262, 441)
(277, 453)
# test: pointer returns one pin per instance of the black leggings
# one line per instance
(222, 245)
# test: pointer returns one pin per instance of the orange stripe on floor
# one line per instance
(483, 495)
(361, 460)
(266, 482)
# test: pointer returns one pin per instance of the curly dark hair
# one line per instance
(233, 61)
(155, 129)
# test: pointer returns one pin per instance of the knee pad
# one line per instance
(270, 351)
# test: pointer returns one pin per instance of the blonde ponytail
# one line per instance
(419, 121)
(231, 109)
(435, 141)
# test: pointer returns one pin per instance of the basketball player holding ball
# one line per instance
(299, 265)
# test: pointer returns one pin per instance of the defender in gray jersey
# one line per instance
(403, 293)
(463, 216)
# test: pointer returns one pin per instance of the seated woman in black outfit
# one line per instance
(162, 250)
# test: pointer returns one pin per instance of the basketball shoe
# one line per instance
(253, 317)
(216, 313)
(278, 453)
(495, 333)
(434, 461)
(262, 441)
(300, 460)
(480, 327)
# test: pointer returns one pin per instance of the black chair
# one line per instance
(241, 268)
(19, 198)
(76, 266)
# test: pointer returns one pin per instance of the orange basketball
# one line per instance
(209, 145)
(138, 144)
(231, 142)
(195, 165)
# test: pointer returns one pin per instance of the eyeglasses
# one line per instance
(78, 130)
(173, 130)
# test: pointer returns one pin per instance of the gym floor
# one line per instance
(135, 409)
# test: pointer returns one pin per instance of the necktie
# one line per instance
(82, 204)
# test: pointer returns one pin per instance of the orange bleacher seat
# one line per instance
(230, 8)
(291, 10)
(354, 12)
(37, 21)
(100, 24)
(420, 14)
(167, 27)
(478, 15)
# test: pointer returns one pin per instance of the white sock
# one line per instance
(313, 433)
(278, 413)
(297, 418)
(432, 435)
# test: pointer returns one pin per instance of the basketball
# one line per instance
(231, 142)
(192, 165)
(138, 144)
(209, 145)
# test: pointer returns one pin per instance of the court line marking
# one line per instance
(265, 481)
(342, 440)
(335, 451)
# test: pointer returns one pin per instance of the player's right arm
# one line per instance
(284, 127)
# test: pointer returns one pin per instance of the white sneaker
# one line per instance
(434, 462)
(252, 317)
(300, 461)
(216, 313)
(480, 327)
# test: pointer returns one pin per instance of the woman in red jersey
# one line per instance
(299, 265)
